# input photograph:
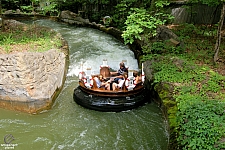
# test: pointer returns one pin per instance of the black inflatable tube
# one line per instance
(107, 104)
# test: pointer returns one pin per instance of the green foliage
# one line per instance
(174, 70)
(154, 48)
(26, 9)
(201, 123)
(51, 8)
(214, 82)
(161, 47)
(200, 114)
(198, 42)
(161, 3)
(186, 29)
(141, 21)
(190, 30)
(6, 39)
(121, 12)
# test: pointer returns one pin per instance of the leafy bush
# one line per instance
(27, 9)
(138, 21)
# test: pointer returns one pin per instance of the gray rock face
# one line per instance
(72, 18)
(31, 77)
(164, 33)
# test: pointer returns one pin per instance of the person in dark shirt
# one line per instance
(120, 71)
(119, 74)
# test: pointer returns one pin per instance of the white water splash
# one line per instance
(91, 47)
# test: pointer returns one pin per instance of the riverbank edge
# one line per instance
(34, 104)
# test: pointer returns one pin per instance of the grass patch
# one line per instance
(31, 38)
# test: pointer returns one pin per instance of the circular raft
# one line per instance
(109, 104)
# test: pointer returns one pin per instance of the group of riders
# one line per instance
(117, 80)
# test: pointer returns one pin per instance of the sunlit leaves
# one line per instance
(161, 3)
(140, 21)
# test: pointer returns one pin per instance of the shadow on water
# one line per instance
(69, 126)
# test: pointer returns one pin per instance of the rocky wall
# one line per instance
(30, 81)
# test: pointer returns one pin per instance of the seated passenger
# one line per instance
(100, 81)
(138, 78)
(120, 71)
(120, 82)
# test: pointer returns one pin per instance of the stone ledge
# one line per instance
(30, 81)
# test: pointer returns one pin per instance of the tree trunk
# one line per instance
(218, 37)
(33, 7)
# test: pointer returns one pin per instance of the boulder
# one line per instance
(72, 18)
(164, 33)
(29, 81)
(9, 12)
(14, 25)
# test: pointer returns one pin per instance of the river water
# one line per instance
(68, 126)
